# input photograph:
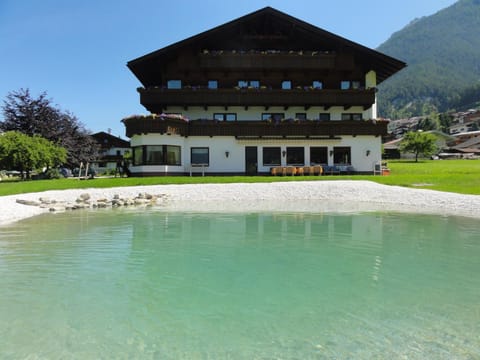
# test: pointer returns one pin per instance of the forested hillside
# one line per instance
(443, 56)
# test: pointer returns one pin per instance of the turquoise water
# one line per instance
(153, 285)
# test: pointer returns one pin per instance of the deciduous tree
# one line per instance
(37, 116)
(418, 142)
(26, 153)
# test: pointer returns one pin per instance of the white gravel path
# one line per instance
(304, 196)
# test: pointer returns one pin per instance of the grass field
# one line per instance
(460, 176)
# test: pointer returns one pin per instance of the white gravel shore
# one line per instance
(304, 196)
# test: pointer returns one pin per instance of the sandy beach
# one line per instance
(310, 196)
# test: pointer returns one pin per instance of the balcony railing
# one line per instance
(274, 61)
(156, 99)
(254, 129)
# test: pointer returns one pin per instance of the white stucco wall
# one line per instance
(235, 162)
(255, 112)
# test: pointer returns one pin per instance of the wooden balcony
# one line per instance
(158, 99)
(273, 61)
(254, 129)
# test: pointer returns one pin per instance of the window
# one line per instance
(255, 84)
(119, 153)
(249, 83)
(154, 155)
(301, 116)
(318, 155)
(273, 116)
(345, 85)
(242, 83)
(355, 84)
(317, 84)
(324, 117)
(295, 156)
(351, 116)
(157, 155)
(212, 84)
(341, 155)
(225, 116)
(271, 156)
(200, 156)
(138, 155)
(286, 85)
(173, 155)
(174, 84)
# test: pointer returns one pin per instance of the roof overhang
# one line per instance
(293, 34)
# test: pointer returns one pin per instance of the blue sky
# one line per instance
(77, 51)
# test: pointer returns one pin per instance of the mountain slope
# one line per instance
(443, 56)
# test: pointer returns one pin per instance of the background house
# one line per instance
(443, 142)
(112, 151)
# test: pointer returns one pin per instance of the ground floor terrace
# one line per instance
(155, 155)
(177, 147)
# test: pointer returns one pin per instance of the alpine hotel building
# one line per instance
(262, 91)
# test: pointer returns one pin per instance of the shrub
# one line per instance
(53, 174)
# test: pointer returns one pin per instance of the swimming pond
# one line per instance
(154, 284)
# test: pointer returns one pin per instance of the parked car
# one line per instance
(66, 172)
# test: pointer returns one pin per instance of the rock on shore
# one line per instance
(85, 201)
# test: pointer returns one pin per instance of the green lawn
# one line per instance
(460, 176)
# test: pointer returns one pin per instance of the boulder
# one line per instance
(28, 202)
(85, 196)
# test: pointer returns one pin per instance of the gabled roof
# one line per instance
(467, 134)
(392, 144)
(107, 141)
(470, 143)
(441, 134)
(265, 29)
